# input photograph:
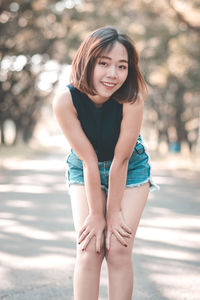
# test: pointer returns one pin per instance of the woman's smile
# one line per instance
(109, 85)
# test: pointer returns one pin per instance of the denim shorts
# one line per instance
(139, 169)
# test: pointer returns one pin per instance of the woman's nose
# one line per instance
(112, 72)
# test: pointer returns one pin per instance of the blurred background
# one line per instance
(39, 38)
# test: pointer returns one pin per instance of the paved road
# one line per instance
(37, 244)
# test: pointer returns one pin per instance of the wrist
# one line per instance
(96, 212)
(111, 211)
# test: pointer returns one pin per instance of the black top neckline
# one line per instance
(93, 104)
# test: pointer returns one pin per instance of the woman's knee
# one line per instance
(119, 255)
(89, 257)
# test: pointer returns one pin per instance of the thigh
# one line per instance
(79, 204)
(133, 204)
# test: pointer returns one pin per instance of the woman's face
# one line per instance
(110, 72)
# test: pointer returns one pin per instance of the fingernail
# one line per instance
(107, 249)
(126, 245)
(83, 249)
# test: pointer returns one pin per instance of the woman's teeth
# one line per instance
(109, 84)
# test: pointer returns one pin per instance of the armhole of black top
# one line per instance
(74, 99)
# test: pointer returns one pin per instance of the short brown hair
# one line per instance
(85, 59)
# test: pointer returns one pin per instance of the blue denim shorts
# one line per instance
(139, 169)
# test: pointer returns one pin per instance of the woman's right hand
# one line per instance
(94, 225)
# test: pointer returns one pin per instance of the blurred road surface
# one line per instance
(37, 243)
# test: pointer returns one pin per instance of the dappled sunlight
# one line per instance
(38, 262)
(30, 232)
(15, 227)
(166, 254)
(20, 203)
(171, 236)
(167, 218)
(28, 218)
(36, 230)
(35, 183)
(167, 242)
(7, 215)
(38, 237)
(31, 189)
(8, 218)
(181, 163)
(43, 178)
(5, 278)
(60, 187)
(164, 180)
(36, 165)
(175, 280)
(7, 223)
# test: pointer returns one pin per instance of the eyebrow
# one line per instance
(107, 57)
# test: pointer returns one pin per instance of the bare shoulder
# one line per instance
(63, 101)
(136, 107)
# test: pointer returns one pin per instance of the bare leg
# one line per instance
(88, 263)
(119, 258)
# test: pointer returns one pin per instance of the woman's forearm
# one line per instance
(117, 181)
(93, 187)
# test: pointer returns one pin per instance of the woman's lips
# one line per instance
(109, 85)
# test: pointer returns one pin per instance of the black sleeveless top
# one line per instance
(100, 124)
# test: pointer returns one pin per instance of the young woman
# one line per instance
(100, 114)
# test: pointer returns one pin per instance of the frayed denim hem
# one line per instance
(103, 187)
(153, 186)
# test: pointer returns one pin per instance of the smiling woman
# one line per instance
(99, 46)
(110, 73)
(109, 175)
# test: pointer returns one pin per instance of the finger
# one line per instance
(108, 239)
(87, 240)
(120, 238)
(126, 228)
(83, 236)
(82, 230)
(123, 232)
(98, 243)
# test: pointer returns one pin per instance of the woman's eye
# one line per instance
(123, 67)
(103, 63)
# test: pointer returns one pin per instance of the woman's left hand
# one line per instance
(116, 225)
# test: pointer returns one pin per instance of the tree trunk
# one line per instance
(2, 134)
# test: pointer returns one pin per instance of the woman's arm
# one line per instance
(67, 118)
(129, 132)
